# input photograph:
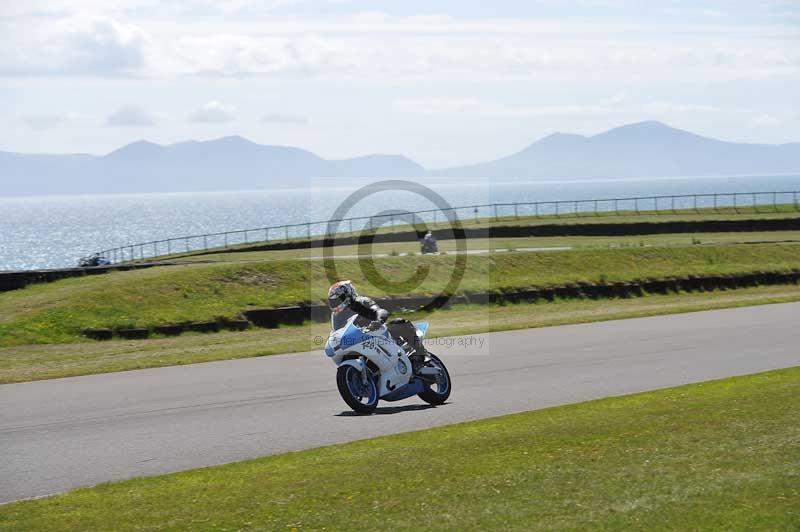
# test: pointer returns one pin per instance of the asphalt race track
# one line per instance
(61, 434)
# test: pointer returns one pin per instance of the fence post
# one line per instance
(516, 212)
(496, 218)
(476, 214)
(735, 203)
(556, 203)
(595, 207)
(187, 244)
(576, 209)
(715, 204)
(775, 201)
(755, 207)
(536, 209)
(794, 200)
(672, 204)
(205, 242)
(286, 231)
(694, 198)
(155, 249)
(636, 205)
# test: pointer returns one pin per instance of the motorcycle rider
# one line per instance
(344, 302)
(429, 244)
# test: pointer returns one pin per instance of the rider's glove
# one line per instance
(375, 325)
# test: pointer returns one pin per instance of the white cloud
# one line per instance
(49, 8)
(618, 107)
(213, 112)
(492, 108)
(764, 119)
(280, 118)
(380, 47)
(235, 55)
(131, 115)
(45, 121)
(80, 45)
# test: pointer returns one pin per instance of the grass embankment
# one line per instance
(47, 361)
(58, 312)
(782, 211)
(717, 455)
(505, 244)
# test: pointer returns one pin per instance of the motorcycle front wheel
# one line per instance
(438, 392)
(360, 396)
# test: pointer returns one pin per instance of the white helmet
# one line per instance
(340, 296)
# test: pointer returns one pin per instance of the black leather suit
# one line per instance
(368, 311)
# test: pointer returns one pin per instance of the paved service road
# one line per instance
(60, 434)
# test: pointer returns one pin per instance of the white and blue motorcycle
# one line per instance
(373, 366)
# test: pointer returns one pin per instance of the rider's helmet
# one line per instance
(340, 296)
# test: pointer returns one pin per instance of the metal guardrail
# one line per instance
(659, 205)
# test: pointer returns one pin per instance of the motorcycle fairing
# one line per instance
(416, 386)
(377, 346)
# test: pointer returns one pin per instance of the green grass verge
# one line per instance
(47, 361)
(58, 312)
(722, 455)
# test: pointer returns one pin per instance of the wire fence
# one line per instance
(731, 203)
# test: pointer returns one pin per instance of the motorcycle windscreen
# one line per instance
(353, 336)
(422, 328)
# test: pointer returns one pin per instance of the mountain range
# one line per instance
(644, 149)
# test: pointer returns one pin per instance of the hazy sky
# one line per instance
(443, 82)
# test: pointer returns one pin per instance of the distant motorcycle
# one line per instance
(93, 260)
(372, 366)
